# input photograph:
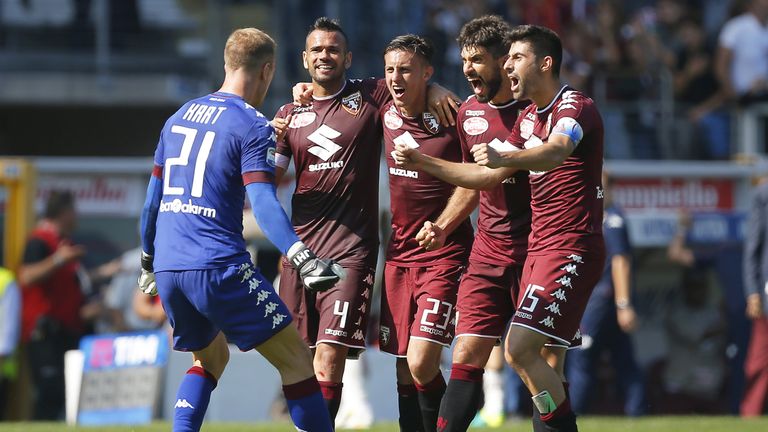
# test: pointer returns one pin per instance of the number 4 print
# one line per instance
(183, 160)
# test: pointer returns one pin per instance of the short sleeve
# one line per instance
(258, 152)
(377, 89)
(466, 156)
(729, 35)
(574, 117)
(616, 234)
(35, 251)
(283, 147)
(515, 135)
(159, 157)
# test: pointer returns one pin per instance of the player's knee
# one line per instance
(464, 353)
(329, 357)
(520, 356)
(423, 370)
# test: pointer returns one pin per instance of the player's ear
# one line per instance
(304, 59)
(348, 60)
(267, 70)
(546, 64)
(428, 71)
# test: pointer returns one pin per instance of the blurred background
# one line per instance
(86, 85)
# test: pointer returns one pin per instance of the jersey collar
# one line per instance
(322, 98)
(555, 99)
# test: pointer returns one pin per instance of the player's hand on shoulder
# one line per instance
(302, 93)
(431, 236)
(316, 274)
(146, 281)
(443, 104)
(281, 126)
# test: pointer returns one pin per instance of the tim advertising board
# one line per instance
(653, 207)
(122, 377)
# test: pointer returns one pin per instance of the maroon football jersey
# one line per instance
(335, 143)
(504, 221)
(417, 197)
(566, 201)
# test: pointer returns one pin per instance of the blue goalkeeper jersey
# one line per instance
(208, 151)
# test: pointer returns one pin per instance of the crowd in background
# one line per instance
(653, 68)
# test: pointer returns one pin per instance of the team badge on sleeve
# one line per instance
(431, 123)
(271, 156)
(352, 103)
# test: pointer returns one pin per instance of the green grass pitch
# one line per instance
(586, 424)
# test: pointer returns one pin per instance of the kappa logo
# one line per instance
(182, 403)
(384, 335)
(323, 137)
(600, 192)
(352, 103)
(548, 322)
(357, 335)
(431, 123)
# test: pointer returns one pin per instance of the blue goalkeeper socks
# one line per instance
(307, 407)
(192, 400)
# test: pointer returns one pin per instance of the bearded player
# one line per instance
(559, 140)
(489, 290)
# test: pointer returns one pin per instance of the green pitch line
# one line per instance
(586, 424)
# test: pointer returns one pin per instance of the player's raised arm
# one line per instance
(549, 155)
(466, 175)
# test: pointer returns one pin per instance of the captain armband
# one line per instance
(569, 127)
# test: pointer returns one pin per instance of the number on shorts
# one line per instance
(341, 311)
(434, 311)
(529, 295)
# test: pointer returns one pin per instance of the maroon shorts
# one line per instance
(339, 315)
(557, 287)
(487, 297)
(419, 303)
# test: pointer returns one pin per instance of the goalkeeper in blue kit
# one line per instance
(211, 152)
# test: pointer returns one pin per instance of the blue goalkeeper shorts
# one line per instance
(236, 300)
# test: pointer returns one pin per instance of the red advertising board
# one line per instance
(695, 194)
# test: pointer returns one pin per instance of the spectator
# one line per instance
(120, 297)
(742, 62)
(720, 259)
(696, 86)
(10, 305)
(756, 290)
(53, 306)
(694, 372)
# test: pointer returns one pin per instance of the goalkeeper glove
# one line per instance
(147, 283)
(316, 274)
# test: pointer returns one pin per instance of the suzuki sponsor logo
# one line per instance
(176, 206)
(326, 166)
(323, 137)
(402, 172)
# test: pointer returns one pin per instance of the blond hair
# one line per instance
(248, 48)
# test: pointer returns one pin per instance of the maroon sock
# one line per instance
(410, 412)
(430, 395)
(332, 396)
(461, 400)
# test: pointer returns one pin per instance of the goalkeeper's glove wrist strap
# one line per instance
(147, 262)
